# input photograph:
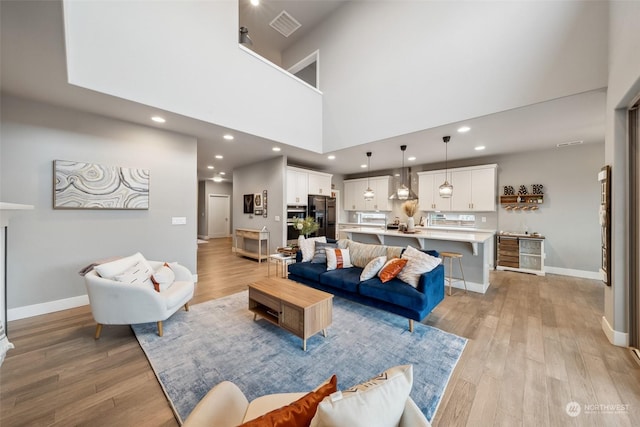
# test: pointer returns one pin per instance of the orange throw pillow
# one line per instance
(391, 269)
(298, 413)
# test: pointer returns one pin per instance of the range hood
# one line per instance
(412, 196)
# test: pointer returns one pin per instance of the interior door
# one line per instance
(218, 216)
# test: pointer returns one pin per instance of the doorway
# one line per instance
(218, 213)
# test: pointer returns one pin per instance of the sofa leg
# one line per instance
(186, 306)
(98, 330)
(411, 325)
(160, 328)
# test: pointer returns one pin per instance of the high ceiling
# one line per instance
(33, 67)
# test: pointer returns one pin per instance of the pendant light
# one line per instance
(403, 190)
(368, 193)
(446, 189)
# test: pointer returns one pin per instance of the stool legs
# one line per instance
(463, 279)
(451, 278)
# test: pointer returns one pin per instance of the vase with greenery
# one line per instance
(410, 207)
(305, 226)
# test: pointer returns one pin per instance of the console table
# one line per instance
(260, 236)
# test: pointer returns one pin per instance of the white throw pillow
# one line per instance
(378, 402)
(418, 263)
(308, 246)
(137, 274)
(163, 278)
(109, 270)
(372, 268)
(338, 258)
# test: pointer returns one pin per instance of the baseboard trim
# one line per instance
(46, 307)
(584, 274)
(471, 286)
(620, 339)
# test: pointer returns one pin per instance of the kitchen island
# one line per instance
(475, 245)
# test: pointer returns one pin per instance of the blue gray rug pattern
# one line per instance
(218, 340)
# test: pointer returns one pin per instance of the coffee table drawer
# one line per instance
(266, 300)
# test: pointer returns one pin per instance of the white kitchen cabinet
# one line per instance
(474, 189)
(429, 191)
(354, 194)
(297, 186)
(319, 183)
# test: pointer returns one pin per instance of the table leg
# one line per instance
(255, 316)
(304, 344)
(324, 333)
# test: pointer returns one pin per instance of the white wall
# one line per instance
(183, 56)
(624, 85)
(266, 175)
(390, 68)
(48, 247)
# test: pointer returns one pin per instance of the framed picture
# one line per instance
(257, 211)
(79, 185)
(248, 203)
(257, 203)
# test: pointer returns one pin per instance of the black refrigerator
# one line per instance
(323, 210)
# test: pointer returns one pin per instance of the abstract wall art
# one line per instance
(80, 185)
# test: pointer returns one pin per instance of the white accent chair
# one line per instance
(226, 406)
(117, 303)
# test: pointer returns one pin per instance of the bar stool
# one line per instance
(450, 256)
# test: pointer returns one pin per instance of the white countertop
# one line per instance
(424, 233)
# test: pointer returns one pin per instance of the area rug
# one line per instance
(218, 340)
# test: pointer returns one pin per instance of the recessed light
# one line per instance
(219, 156)
(210, 167)
(411, 159)
(158, 119)
(463, 129)
(276, 149)
(397, 174)
(480, 148)
(222, 173)
(228, 137)
(217, 179)
(331, 157)
(363, 166)
(255, 2)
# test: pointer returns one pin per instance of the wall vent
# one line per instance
(285, 24)
(568, 144)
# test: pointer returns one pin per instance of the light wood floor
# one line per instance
(535, 344)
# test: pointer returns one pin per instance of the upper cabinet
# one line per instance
(428, 191)
(354, 194)
(319, 183)
(302, 182)
(297, 186)
(474, 189)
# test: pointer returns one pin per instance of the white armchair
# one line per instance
(226, 406)
(117, 303)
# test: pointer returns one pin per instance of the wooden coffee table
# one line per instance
(299, 309)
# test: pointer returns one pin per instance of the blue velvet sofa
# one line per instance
(394, 296)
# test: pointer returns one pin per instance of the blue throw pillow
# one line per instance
(320, 256)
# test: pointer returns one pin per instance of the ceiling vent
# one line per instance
(569, 144)
(285, 24)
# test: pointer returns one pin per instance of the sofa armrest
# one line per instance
(413, 416)
(432, 281)
(224, 406)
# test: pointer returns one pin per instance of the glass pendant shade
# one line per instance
(403, 192)
(446, 190)
(368, 193)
